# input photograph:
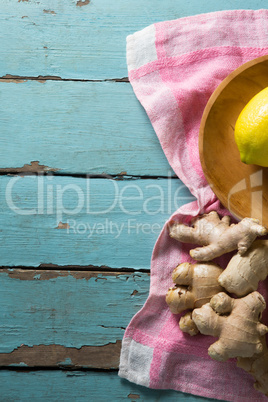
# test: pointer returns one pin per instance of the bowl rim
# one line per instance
(216, 93)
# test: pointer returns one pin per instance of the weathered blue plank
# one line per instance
(63, 39)
(71, 309)
(78, 127)
(76, 221)
(81, 386)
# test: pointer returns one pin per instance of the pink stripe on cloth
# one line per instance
(194, 56)
(174, 66)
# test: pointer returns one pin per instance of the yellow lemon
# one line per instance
(251, 130)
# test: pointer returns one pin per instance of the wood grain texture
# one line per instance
(77, 128)
(62, 312)
(80, 386)
(75, 221)
(51, 122)
(88, 42)
(105, 357)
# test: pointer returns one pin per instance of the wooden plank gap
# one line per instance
(31, 274)
(43, 78)
(73, 269)
(119, 176)
(72, 371)
(34, 168)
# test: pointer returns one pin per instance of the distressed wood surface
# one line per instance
(77, 221)
(77, 128)
(105, 357)
(68, 109)
(67, 318)
(84, 40)
(80, 386)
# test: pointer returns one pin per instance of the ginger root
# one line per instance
(195, 284)
(187, 324)
(243, 273)
(235, 322)
(216, 235)
(257, 366)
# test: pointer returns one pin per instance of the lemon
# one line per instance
(251, 130)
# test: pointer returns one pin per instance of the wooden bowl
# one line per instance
(241, 188)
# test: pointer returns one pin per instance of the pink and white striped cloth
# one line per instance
(174, 67)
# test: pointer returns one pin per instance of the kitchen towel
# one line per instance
(174, 66)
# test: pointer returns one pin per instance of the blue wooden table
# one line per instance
(85, 190)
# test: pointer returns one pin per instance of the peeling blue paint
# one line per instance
(67, 311)
(66, 362)
(21, 364)
(83, 386)
(103, 215)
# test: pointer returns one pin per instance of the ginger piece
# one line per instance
(216, 235)
(187, 324)
(195, 284)
(257, 366)
(243, 273)
(235, 322)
